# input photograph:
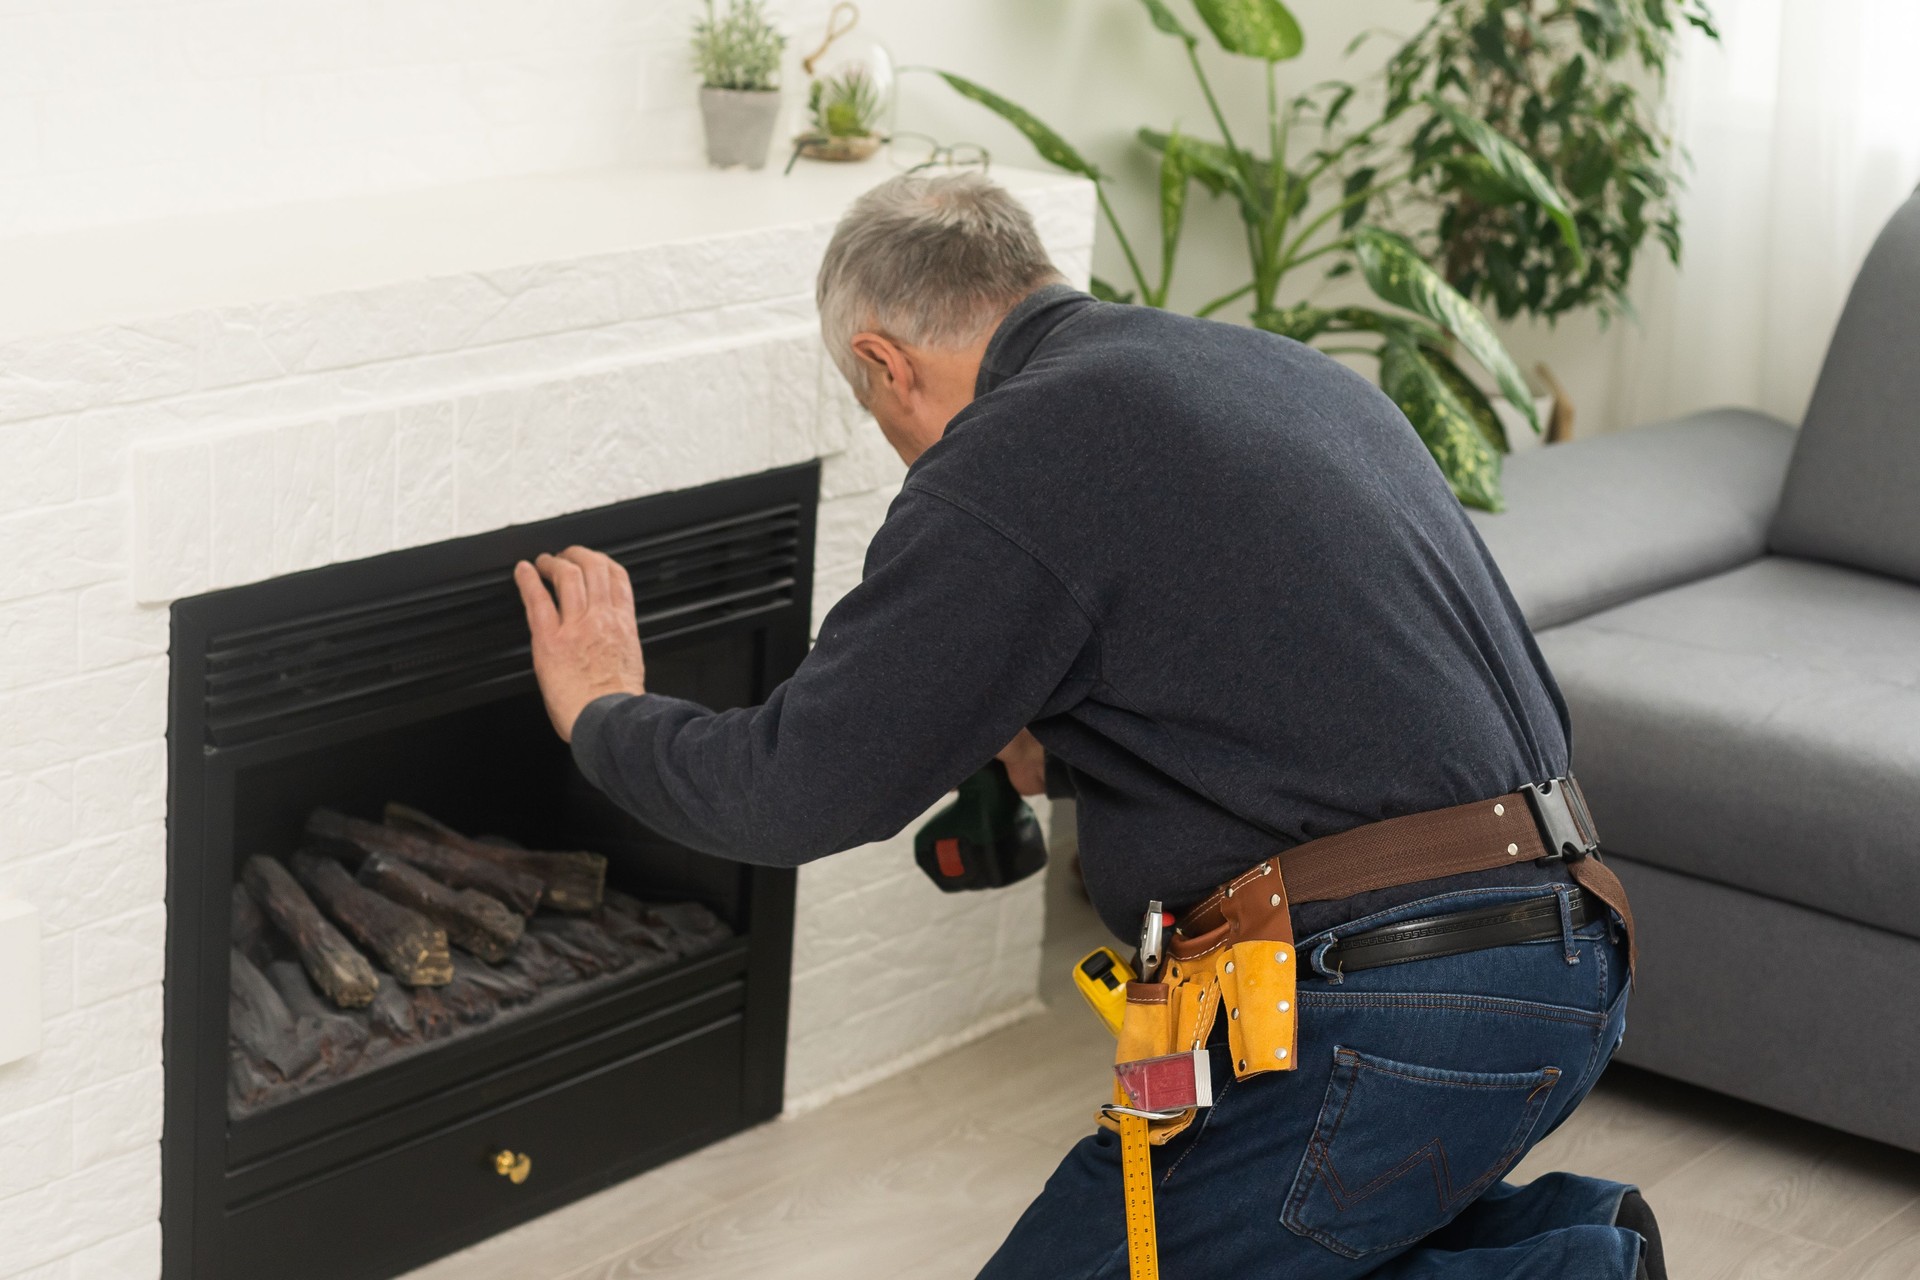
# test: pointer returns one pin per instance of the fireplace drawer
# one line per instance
(396, 1209)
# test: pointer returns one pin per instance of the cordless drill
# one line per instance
(983, 840)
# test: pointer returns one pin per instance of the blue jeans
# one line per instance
(1420, 1086)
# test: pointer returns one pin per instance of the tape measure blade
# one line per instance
(1136, 1179)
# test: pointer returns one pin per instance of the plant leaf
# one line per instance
(1337, 104)
(1164, 20)
(1566, 83)
(1255, 28)
(1107, 293)
(1445, 425)
(1208, 163)
(1367, 320)
(1302, 323)
(1053, 148)
(1474, 177)
(1516, 169)
(1469, 394)
(1174, 180)
(1398, 274)
(1357, 182)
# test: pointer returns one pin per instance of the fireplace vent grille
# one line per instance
(469, 634)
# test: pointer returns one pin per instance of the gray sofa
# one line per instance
(1733, 611)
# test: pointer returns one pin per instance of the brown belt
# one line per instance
(1398, 851)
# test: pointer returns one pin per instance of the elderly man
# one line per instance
(1216, 575)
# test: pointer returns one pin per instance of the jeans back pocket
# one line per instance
(1400, 1149)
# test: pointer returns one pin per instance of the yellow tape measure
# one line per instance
(1136, 1179)
(1101, 977)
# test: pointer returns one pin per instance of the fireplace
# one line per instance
(405, 678)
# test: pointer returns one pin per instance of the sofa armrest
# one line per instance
(1598, 522)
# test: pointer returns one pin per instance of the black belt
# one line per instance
(1456, 932)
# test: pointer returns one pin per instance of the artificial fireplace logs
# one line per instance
(341, 972)
(569, 881)
(406, 942)
(375, 940)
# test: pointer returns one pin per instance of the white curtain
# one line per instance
(1804, 127)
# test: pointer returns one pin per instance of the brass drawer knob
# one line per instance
(514, 1168)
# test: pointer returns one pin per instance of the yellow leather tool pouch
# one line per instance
(1146, 1028)
(1259, 973)
(1257, 987)
(1163, 1018)
(1246, 964)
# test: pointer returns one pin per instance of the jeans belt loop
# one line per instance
(1565, 894)
(1320, 966)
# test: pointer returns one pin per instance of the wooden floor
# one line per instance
(920, 1176)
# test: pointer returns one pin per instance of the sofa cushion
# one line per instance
(1760, 729)
(1853, 492)
(1602, 521)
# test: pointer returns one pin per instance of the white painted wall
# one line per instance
(113, 110)
(122, 109)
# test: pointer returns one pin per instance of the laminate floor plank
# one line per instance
(1797, 1179)
(1708, 1246)
(937, 1211)
(600, 1225)
(1637, 1128)
(1890, 1252)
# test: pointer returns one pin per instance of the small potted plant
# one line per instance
(738, 57)
(845, 110)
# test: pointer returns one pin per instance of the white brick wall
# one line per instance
(173, 451)
(889, 971)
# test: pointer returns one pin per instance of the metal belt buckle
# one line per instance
(1565, 825)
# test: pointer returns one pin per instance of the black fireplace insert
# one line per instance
(591, 1039)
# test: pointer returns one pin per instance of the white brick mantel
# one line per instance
(206, 402)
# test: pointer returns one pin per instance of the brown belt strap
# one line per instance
(1384, 855)
(1598, 879)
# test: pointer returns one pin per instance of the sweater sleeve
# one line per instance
(954, 640)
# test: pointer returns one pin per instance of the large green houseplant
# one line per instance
(1574, 84)
(1319, 196)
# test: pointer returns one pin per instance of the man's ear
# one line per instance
(887, 365)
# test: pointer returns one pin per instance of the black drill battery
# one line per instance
(985, 839)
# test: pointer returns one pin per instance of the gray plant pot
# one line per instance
(739, 125)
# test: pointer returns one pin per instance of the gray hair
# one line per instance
(929, 261)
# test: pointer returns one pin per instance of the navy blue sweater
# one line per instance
(1213, 570)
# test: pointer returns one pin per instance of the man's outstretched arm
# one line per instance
(954, 640)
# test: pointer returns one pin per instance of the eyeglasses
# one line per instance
(914, 152)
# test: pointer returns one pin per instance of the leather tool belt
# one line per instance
(1235, 949)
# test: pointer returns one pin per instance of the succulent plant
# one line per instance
(845, 105)
(740, 49)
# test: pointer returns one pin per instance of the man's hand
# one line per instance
(588, 646)
(1026, 762)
